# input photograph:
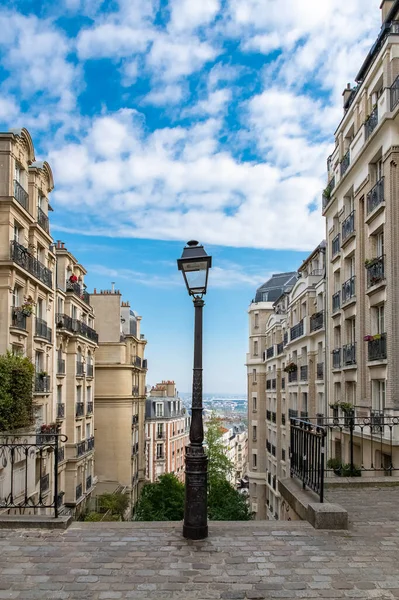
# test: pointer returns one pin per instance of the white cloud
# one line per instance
(164, 95)
(186, 14)
(171, 58)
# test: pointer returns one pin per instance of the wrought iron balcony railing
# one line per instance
(348, 226)
(42, 384)
(345, 162)
(320, 419)
(60, 410)
(280, 348)
(79, 409)
(21, 195)
(23, 258)
(336, 245)
(63, 321)
(83, 329)
(292, 413)
(348, 289)
(375, 196)
(336, 358)
(18, 319)
(375, 271)
(137, 361)
(395, 93)
(81, 448)
(296, 331)
(79, 491)
(336, 301)
(349, 354)
(90, 443)
(89, 482)
(377, 348)
(320, 371)
(317, 321)
(42, 329)
(372, 122)
(43, 220)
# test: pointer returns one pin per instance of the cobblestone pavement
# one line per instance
(367, 504)
(238, 561)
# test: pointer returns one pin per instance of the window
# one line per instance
(41, 256)
(88, 394)
(16, 296)
(256, 324)
(254, 433)
(159, 409)
(254, 461)
(78, 433)
(378, 394)
(379, 171)
(40, 200)
(18, 230)
(255, 348)
(254, 375)
(60, 305)
(351, 331)
(305, 402)
(379, 238)
(160, 430)
(159, 450)
(17, 350)
(254, 404)
(88, 431)
(79, 393)
(59, 394)
(379, 312)
(19, 173)
(39, 362)
(74, 312)
(40, 308)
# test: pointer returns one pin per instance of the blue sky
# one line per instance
(167, 120)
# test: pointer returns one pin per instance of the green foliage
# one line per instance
(16, 392)
(161, 501)
(225, 503)
(334, 463)
(116, 503)
(343, 470)
(219, 465)
(96, 517)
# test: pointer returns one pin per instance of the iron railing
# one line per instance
(89, 482)
(317, 321)
(349, 354)
(307, 451)
(18, 319)
(336, 358)
(292, 413)
(375, 196)
(60, 410)
(81, 448)
(43, 220)
(320, 370)
(377, 348)
(336, 301)
(137, 361)
(63, 321)
(22, 457)
(285, 340)
(345, 162)
(75, 287)
(296, 331)
(280, 348)
(348, 226)
(371, 123)
(89, 409)
(90, 443)
(21, 195)
(79, 409)
(270, 352)
(375, 271)
(23, 258)
(336, 245)
(79, 491)
(42, 329)
(42, 384)
(348, 289)
(83, 329)
(395, 93)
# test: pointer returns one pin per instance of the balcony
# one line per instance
(90, 444)
(375, 271)
(44, 483)
(22, 257)
(80, 369)
(371, 123)
(285, 339)
(375, 197)
(81, 448)
(292, 413)
(79, 491)
(60, 366)
(395, 93)
(43, 220)
(89, 483)
(90, 370)
(304, 373)
(60, 410)
(377, 347)
(336, 358)
(84, 330)
(349, 354)
(42, 330)
(18, 319)
(80, 409)
(21, 195)
(328, 192)
(348, 226)
(296, 331)
(345, 162)
(348, 290)
(137, 362)
(320, 419)
(336, 302)
(270, 352)
(161, 435)
(292, 376)
(335, 246)
(42, 384)
(320, 371)
(63, 321)
(304, 415)
(89, 409)
(280, 348)
(317, 321)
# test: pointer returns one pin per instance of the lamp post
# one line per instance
(195, 264)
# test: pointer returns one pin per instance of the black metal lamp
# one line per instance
(195, 265)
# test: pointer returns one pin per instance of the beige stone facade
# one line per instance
(120, 394)
(167, 432)
(361, 207)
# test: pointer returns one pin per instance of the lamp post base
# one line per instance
(195, 510)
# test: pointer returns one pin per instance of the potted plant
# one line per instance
(336, 465)
(73, 278)
(368, 338)
(346, 407)
(27, 306)
(291, 367)
(42, 374)
(334, 405)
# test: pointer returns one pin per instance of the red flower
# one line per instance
(73, 278)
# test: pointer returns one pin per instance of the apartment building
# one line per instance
(120, 394)
(44, 318)
(361, 207)
(259, 312)
(167, 432)
(294, 359)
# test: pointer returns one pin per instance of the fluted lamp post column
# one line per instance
(195, 264)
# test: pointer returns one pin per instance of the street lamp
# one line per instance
(195, 265)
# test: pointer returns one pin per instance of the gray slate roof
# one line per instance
(275, 286)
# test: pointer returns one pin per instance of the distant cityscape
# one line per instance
(229, 406)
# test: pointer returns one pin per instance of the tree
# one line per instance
(161, 501)
(225, 503)
(16, 392)
(116, 503)
(219, 464)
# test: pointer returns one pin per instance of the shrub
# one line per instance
(16, 392)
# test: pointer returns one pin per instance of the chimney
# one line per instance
(113, 286)
(385, 7)
(347, 92)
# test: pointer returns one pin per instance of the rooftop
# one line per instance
(250, 560)
(275, 286)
